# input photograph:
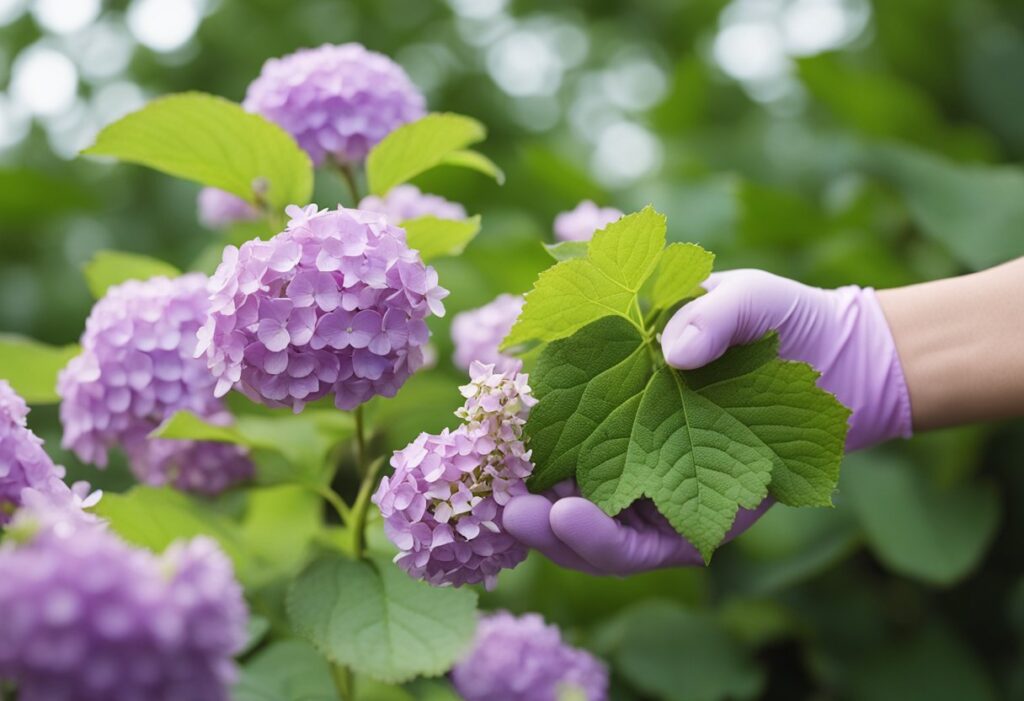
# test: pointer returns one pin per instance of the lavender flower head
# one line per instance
(335, 304)
(24, 465)
(337, 101)
(88, 617)
(219, 209)
(443, 505)
(478, 333)
(407, 202)
(136, 368)
(523, 659)
(580, 224)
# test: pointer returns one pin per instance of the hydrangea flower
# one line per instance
(407, 202)
(219, 209)
(337, 101)
(580, 224)
(478, 333)
(524, 659)
(24, 465)
(443, 505)
(88, 617)
(136, 368)
(335, 304)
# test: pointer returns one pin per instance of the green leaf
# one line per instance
(683, 266)
(214, 142)
(435, 238)
(374, 618)
(701, 444)
(421, 145)
(474, 160)
(573, 293)
(680, 655)
(109, 268)
(256, 629)
(283, 550)
(288, 670)
(567, 250)
(31, 367)
(914, 526)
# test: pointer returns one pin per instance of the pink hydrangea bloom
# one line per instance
(478, 333)
(407, 202)
(219, 209)
(579, 224)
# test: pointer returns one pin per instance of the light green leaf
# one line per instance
(288, 670)
(567, 250)
(421, 145)
(109, 268)
(701, 444)
(374, 618)
(573, 293)
(474, 160)
(184, 425)
(31, 367)
(214, 142)
(680, 655)
(435, 238)
(256, 629)
(284, 550)
(914, 526)
(681, 269)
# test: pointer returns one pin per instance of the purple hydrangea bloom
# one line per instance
(523, 659)
(136, 368)
(24, 465)
(335, 304)
(407, 202)
(337, 101)
(443, 505)
(87, 617)
(478, 333)
(219, 209)
(580, 224)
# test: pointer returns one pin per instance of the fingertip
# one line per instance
(588, 531)
(526, 518)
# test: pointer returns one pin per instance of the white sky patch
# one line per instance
(164, 25)
(102, 50)
(44, 80)
(477, 9)
(10, 10)
(625, 152)
(15, 122)
(65, 16)
(524, 64)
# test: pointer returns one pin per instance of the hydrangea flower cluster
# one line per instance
(335, 304)
(136, 368)
(478, 333)
(524, 659)
(219, 209)
(579, 224)
(407, 202)
(337, 101)
(88, 617)
(443, 505)
(24, 465)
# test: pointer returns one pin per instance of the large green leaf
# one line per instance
(435, 238)
(108, 268)
(288, 670)
(374, 618)
(679, 655)
(683, 266)
(412, 149)
(214, 142)
(575, 292)
(31, 367)
(701, 444)
(916, 527)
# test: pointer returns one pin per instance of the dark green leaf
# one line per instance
(288, 670)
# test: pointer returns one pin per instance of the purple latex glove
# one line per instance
(842, 333)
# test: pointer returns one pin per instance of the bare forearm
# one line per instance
(961, 345)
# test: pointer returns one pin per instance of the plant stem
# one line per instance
(332, 498)
(360, 440)
(343, 681)
(350, 181)
(361, 508)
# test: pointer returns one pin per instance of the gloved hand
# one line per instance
(842, 333)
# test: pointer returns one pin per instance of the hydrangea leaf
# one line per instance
(372, 617)
(436, 238)
(214, 142)
(701, 444)
(109, 268)
(474, 160)
(681, 269)
(567, 250)
(31, 367)
(573, 293)
(287, 670)
(417, 147)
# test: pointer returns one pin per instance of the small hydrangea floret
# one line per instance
(136, 368)
(336, 101)
(405, 202)
(478, 333)
(334, 305)
(523, 659)
(443, 505)
(579, 224)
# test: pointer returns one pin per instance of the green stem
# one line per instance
(360, 440)
(339, 505)
(343, 681)
(361, 508)
(350, 182)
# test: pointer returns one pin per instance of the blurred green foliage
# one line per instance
(887, 160)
